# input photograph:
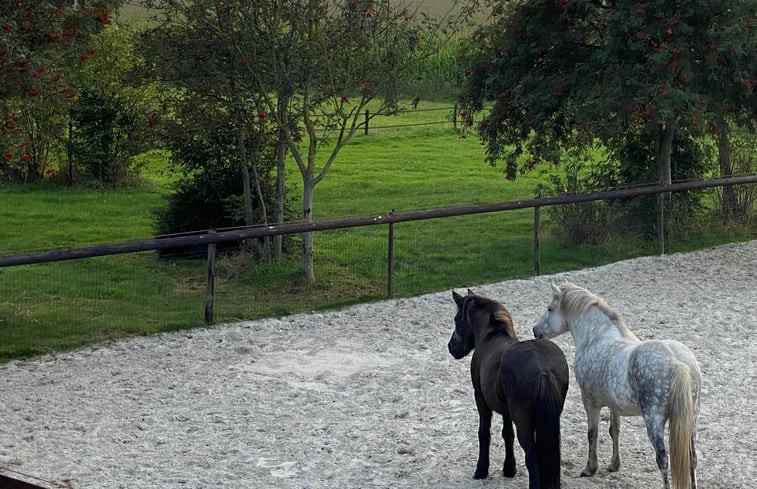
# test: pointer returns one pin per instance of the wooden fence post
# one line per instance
(661, 222)
(537, 244)
(211, 278)
(390, 262)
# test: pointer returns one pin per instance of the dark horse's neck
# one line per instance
(499, 329)
(500, 324)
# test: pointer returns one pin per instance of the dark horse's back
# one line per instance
(528, 359)
(535, 376)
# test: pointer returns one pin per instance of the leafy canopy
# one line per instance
(567, 71)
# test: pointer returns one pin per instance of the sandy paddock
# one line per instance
(368, 397)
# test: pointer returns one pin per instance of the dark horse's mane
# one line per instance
(500, 316)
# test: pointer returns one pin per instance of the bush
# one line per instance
(582, 170)
(100, 142)
(591, 169)
(743, 162)
(637, 166)
(209, 193)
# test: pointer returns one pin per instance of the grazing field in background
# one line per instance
(67, 304)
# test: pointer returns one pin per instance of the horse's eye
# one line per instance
(549, 309)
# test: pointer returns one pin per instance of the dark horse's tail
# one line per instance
(547, 408)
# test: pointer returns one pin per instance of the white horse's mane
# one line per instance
(576, 301)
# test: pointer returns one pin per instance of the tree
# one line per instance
(318, 65)
(112, 116)
(190, 50)
(312, 67)
(41, 42)
(563, 72)
(730, 48)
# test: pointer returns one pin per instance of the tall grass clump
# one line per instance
(438, 76)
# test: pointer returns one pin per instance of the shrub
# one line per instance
(582, 170)
(209, 193)
(100, 142)
(637, 166)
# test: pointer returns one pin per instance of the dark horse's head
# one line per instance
(474, 315)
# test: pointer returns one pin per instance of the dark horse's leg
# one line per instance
(528, 443)
(509, 436)
(484, 437)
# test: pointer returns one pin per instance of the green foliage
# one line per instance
(42, 44)
(594, 168)
(743, 152)
(311, 66)
(200, 198)
(112, 119)
(570, 71)
(221, 138)
(582, 170)
(437, 74)
(638, 166)
(100, 143)
(208, 194)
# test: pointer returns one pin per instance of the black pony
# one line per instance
(526, 382)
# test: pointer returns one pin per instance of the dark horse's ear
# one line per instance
(470, 293)
(458, 299)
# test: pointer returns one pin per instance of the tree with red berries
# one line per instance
(41, 43)
(564, 72)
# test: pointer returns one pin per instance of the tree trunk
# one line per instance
(249, 218)
(308, 271)
(69, 153)
(246, 188)
(280, 179)
(266, 250)
(664, 145)
(664, 148)
(729, 203)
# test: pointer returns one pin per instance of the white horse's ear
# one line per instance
(556, 290)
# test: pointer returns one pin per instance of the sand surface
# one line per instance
(369, 397)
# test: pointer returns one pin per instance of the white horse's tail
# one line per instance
(681, 408)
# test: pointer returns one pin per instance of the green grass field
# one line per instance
(63, 305)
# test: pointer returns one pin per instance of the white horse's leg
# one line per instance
(655, 423)
(592, 419)
(615, 435)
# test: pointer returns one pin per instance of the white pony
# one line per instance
(659, 380)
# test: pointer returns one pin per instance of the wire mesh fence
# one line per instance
(66, 303)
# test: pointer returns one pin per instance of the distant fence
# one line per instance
(211, 238)
(454, 115)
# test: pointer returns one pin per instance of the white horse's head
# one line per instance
(553, 322)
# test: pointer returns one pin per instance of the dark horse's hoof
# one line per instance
(509, 471)
(481, 474)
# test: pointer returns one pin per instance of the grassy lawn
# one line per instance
(64, 305)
